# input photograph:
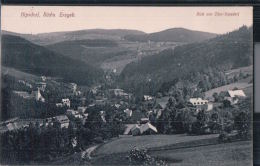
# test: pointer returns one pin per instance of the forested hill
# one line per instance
(172, 35)
(55, 37)
(224, 52)
(23, 55)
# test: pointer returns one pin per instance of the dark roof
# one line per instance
(137, 115)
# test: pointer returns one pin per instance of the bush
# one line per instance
(141, 157)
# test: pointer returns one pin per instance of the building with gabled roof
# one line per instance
(148, 128)
(198, 101)
(233, 96)
(236, 93)
(143, 129)
(128, 112)
(128, 128)
(38, 96)
(62, 121)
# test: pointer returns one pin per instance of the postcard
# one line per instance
(126, 85)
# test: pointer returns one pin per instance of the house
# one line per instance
(38, 96)
(198, 101)
(234, 95)
(11, 126)
(73, 87)
(117, 105)
(128, 112)
(59, 105)
(201, 104)
(41, 85)
(102, 115)
(119, 93)
(66, 102)
(25, 83)
(147, 98)
(23, 94)
(158, 114)
(81, 109)
(43, 78)
(34, 95)
(143, 129)
(135, 130)
(49, 121)
(101, 101)
(74, 113)
(62, 121)
(137, 115)
(128, 128)
(95, 89)
(144, 120)
(147, 128)
(83, 100)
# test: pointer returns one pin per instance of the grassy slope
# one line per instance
(239, 85)
(123, 145)
(244, 84)
(34, 59)
(18, 74)
(230, 154)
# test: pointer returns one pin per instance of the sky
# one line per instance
(147, 19)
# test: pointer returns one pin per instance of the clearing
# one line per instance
(125, 144)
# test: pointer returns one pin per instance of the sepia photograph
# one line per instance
(126, 85)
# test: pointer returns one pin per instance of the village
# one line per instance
(138, 119)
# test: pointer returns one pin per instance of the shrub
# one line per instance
(141, 157)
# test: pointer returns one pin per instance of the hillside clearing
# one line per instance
(239, 85)
(123, 145)
(229, 154)
(18, 74)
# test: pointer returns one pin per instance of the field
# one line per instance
(228, 154)
(18, 74)
(239, 85)
(244, 84)
(123, 145)
(244, 70)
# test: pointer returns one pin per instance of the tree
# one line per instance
(242, 124)
(171, 102)
(198, 126)
(226, 103)
(215, 95)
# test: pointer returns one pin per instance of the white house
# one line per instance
(62, 120)
(148, 128)
(135, 129)
(43, 78)
(198, 101)
(38, 96)
(41, 85)
(128, 128)
(234, 95)
(66, 102)
(74, 113)
(147, 98)
(201, 104)
(128, 112)
(102, 115)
